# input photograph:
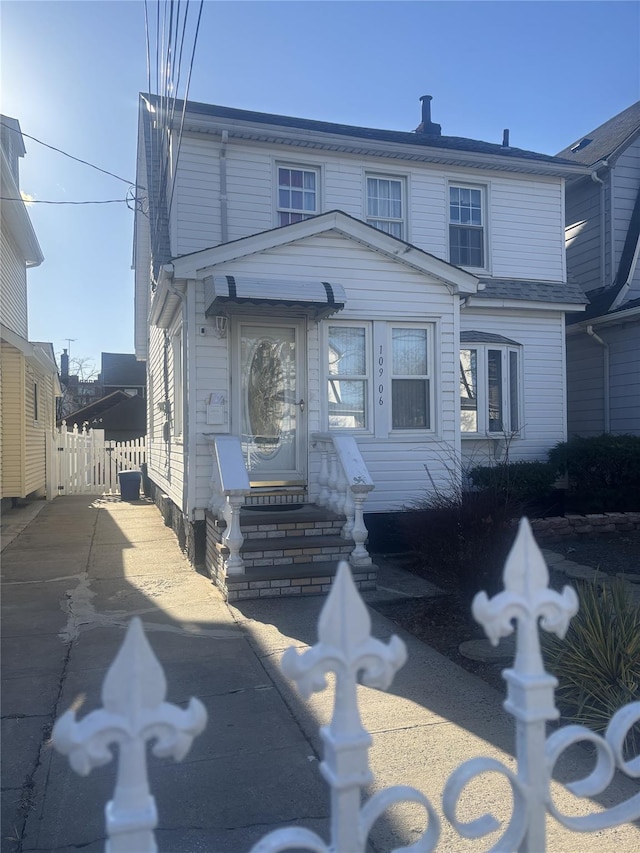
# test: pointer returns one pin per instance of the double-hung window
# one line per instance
(386, 204)
(297, 193)
(410, 378)
(348, 376)
(467, 226)
(380, 376)
(490, 385)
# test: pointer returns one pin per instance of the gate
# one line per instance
(86, 463)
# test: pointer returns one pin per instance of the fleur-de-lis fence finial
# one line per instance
(134, 711)
(346, 648)
(528, 600)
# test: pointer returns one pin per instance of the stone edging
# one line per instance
(595, 523)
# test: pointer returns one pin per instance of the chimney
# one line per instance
(426, 125)
(505, 138)
(64, 368)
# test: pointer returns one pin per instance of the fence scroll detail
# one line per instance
(134, 712)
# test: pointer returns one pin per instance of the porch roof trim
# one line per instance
(321, 298)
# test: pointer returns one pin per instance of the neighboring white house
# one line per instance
(603, 241)
(28, 374)
(388, 302)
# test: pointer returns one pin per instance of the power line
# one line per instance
(42, 201)
(71, 157)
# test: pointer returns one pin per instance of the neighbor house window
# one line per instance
(297, 194)
(490, 388)
(410, 378)
(466, 226)
(386, 204)
(348, 376)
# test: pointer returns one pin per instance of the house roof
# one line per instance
(606, 141)
(115, 410)
(414, 139)
(531, 291)
(123, 369)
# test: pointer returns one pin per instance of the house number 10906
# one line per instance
(380, 375)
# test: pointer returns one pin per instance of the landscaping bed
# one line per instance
(444, 623)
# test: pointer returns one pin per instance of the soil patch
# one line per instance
(443, 623)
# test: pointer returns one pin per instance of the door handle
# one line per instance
(301, 404)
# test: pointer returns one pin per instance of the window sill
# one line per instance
(493, 436)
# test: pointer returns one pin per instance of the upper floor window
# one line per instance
(490, 387)
(466, 226)
(386, 205)
(297, 194)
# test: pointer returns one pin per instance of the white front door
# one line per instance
(270, 401)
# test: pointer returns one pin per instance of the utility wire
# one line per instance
(78, 159)
(42, 201)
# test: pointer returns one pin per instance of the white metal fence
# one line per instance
(88, 464)
(135, 712)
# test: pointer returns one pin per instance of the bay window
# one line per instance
(489, 384)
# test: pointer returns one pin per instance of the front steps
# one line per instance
(286, 552)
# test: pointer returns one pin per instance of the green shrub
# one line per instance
(603, 472)
(522, 482)
(460, 540)
(597, 664)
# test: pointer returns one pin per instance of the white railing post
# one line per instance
(345, 646)
(134, 712)
(359, 556)
(230, 486)
(323, 477)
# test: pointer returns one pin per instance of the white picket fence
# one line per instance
(135, 712)
(88, 464)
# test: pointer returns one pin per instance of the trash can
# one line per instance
(129, 485)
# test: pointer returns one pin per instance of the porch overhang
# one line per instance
(318, 298)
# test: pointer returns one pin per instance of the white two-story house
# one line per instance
(338, 316)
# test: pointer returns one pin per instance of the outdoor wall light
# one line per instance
(221, 325)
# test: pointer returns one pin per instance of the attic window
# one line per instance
(580, 145)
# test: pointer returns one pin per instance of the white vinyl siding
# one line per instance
(13, 285)
(378, 290)
(584, 236)
(524, 216)
(165, 458)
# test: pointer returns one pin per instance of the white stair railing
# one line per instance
(135, 712)
(229, 488)
(344, 484)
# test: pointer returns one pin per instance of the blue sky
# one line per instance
(71, 72)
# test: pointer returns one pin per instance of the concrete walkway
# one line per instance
(73, 575)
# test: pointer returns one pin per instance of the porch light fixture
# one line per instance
(221, 325)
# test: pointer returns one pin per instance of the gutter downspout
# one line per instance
(598, 180)
(605, 371)
(224, 230)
